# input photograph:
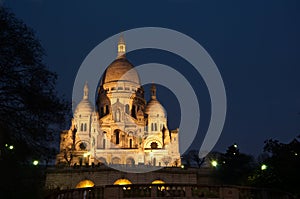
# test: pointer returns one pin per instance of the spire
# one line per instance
(86, 91)
(121, 46)
(153, 91)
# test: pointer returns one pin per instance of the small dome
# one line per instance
(85, 106)
(155, 108)
(117, 69)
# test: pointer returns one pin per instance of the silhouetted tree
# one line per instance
(282, 166)
(235, 167)
(192, 158)
(30, 110)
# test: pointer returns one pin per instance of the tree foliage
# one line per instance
(30, 110)
(282, 166)
(234, 167)
(192, 159)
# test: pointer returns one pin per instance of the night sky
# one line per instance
(255, 45)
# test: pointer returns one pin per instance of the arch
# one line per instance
(122, 181)
(158, 181)
(102, 160)
(101, 111)
(82, 145)
(130, 161)
(151, 139)
(106, 110)
(117, 136)
(133, 111)
(130, 143)
(116, 160)
(85, 183)
(81, 127)
(104, 143)
(153, 145)
(85, 127)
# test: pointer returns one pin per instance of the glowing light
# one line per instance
(182, 166)
(263, 167)
(214, 163)
(11, 147)
(6, 145)
(122, 182)
(85, 183)
(86, 154)
(158, 182)
(235, 145)
(35, 162)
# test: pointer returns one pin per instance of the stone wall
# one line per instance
(68, 178)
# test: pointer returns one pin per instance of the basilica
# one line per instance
(122, 128)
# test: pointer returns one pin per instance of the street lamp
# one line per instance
(263, 167)
(35, 162)
(214, 163)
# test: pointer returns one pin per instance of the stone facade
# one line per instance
(122, 128)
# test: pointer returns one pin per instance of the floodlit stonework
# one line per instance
(122, 129)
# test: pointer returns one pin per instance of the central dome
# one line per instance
(117, 69)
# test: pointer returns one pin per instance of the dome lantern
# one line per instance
(86, 91)
(121, 47)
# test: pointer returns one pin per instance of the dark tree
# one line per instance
(235, 167)
(192, 159)
(30, 110)
(282, 166)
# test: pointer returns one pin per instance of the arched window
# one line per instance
(127, 108)
(106, 110)
(133, 111)
(81, 127)
(152, 127)
(116, 160)
(85, 183)
(101, 111)
(85, 127)
(130, 143)
(103, 144)
(158, 182)
(153, 145)
(122, 181)
(117, 136)
(155, 125)
(130, 161)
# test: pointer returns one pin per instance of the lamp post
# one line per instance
(263, 167)
(214, 163)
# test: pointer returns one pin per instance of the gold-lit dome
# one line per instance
(154, 107)
(116, 72)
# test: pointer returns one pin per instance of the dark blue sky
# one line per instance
(255, 45)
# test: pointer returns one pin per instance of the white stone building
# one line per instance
(122, 128)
